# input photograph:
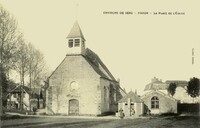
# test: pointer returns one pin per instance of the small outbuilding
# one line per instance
(157, 102)
(131, 104)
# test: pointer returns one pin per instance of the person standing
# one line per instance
(121, 113)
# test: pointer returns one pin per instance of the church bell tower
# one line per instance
(75, 41)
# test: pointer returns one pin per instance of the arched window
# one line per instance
(154, 102)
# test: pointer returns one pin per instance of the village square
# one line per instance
(81, 91)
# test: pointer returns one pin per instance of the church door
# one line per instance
(73, 107)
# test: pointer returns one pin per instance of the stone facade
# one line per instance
(81, 84)
(158, 103)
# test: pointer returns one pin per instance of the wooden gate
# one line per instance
(73, 107)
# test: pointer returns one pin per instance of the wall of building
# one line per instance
(110, 95)
(131, 109)
(139, 109)
(26, 100)
(166, 105)
(105, 99)
(75, 50)
(74, 69)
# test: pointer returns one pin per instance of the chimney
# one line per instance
(154, 79)
(136, 91)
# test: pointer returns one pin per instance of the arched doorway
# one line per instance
(73, 107)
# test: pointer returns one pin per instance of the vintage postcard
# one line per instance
(99, 64)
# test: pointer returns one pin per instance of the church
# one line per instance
(82, 84)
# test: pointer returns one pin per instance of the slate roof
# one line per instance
(96, 63)
(91, 57)
(134, 98)
(76, 32)
(156, 85)
(94, 60)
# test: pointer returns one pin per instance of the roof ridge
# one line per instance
(146, 94)
(100, 62)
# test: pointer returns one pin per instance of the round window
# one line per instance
(74, 86)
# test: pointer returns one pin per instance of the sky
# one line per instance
(134, 47)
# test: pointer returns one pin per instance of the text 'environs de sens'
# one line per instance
(143, 13)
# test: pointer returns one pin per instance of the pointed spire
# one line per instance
(76, 32)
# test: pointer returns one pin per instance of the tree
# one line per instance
(21, 65)
(172, 88)
(31, 50)
(8, 34)
(36, 67)
(16, 55)
(193, 87)
(8, 39)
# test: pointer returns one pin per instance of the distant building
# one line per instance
(181, 93)
(156, 84)
(14, 99)
(82, 84)
(157, 102)
(131, 104)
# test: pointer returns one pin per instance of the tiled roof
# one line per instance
(94, 60)
(76, 32)
(96, 63)
(133, 97)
